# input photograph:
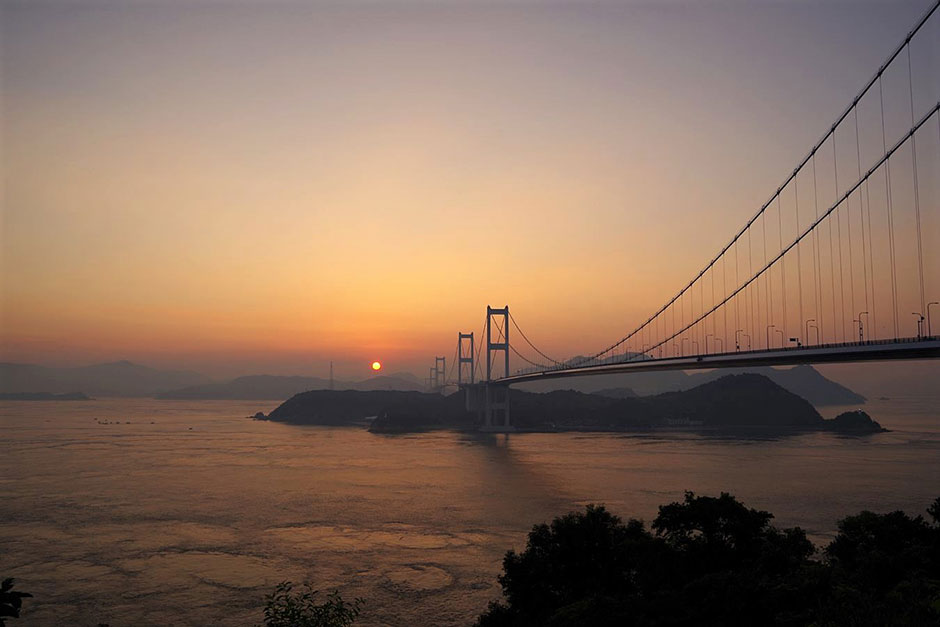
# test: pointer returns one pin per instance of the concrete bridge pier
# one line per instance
(491, 403)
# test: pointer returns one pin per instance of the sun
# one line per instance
(376, 365)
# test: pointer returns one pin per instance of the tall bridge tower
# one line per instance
(464, 357)
(496, 397)
(440, 374)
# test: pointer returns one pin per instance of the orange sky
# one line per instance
(242, 188)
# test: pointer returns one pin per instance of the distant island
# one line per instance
(742, 402)
(278, 388)
(804, 381)
(43, 396)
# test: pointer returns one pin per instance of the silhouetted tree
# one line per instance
(713, 561)
(886, 569)
(285, 608)
(10, 601)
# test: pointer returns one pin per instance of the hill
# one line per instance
(733, 401)
(271, 387)
(120, 378)
(805, 381)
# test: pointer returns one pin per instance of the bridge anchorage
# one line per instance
(839, 265)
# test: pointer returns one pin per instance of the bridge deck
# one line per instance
(884, 350)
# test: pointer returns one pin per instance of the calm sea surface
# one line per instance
(187, 513)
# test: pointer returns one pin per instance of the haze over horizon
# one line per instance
(238, 188)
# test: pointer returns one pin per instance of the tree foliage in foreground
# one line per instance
(286, 608)
(10, 601)
(712, 561)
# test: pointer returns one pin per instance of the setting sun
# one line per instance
(376, 365)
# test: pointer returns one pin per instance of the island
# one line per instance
(732, 402)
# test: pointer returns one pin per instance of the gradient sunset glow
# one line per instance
(267, 187)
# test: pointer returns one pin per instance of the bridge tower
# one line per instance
(462, 359)
(440, 374)
(496, 396)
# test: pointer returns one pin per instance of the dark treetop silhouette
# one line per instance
(713, 561)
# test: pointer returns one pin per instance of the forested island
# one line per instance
(733, 402)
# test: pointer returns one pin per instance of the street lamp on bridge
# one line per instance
(920, 322)
(707, 335)
(861, 334)
(737, 344)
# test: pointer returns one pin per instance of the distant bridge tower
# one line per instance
(497, 346)
(440, 374)
(462, 359)
(496, 399)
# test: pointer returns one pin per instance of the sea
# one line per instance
(126, 512)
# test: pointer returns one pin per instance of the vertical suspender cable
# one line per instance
(920, 251)
(816, 260)
(848, 224)
(750, 299)
(835, 169)
(832, 273)
(890, 212)
(783, 267)
(724, 294)
(767, 292)
(737, 318)
(861, 221)
(799, 261)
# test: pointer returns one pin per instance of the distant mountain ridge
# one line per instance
(804, 381)
(272, 387)
(120, 378)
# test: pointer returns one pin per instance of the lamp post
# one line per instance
(807, 330)
(769, 327)
(707, 335)
(781, 337)
(861, 335)
(737, 344)
(929, 332)
(920, 322)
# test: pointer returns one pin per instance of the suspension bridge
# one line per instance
(840, 264)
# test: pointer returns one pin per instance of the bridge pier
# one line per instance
(496, 410)
(490, 401)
